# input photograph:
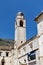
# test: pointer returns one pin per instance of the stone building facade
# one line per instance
(21, 51)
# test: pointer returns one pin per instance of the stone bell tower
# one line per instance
(20, 29)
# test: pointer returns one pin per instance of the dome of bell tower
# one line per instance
(20, 14)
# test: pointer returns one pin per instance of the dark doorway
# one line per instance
(21, 23)
(2, 63)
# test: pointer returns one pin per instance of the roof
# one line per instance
(20, 14)
(6, 44)
(39, 16)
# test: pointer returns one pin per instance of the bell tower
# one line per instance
(20, 29)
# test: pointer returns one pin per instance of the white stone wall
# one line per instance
(22, 59)
(15, 56)
(20, 35)
(40, 26)
(35, 43)
(41, 45)
(41, 60)
(24, 49)
(7, 59)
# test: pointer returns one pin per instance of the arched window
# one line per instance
(7, 53)
(21, 23)
(3, 61)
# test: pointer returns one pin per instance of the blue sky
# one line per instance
(8, 11)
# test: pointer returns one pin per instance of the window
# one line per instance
(7, 53)
(21, 23)
(2, 63)
(31, 56)
(0, 53)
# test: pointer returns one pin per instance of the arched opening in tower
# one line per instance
(21, 23)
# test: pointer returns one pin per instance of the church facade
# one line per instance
(21, 51)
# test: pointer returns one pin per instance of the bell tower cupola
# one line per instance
(20, 28)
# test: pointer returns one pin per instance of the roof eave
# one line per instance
(37, 17)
